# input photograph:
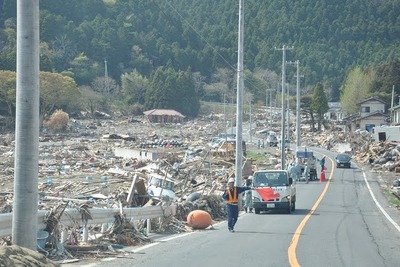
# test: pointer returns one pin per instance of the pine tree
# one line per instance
(320, 103)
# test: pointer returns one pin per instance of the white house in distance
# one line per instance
(164, 116)
(371, 114)
(334, 113)
(390, 132)
(395, 115)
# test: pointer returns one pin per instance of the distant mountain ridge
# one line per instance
(328, 37)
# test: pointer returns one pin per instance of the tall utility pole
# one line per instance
(25, 206)
(225, 132)
(270, 106)
(298, 76)
(288, 111)
(250, 107)
(240, 89)
(298, 134)
(391, 107)
(283, 156)
(106, 84)
(232, 115)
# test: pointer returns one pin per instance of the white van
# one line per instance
(273, 190)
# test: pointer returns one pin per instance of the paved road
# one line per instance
(345, 221)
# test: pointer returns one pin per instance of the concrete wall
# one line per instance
(140, 154)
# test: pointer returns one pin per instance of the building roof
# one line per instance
(375, 113)
(355, 117)
(163, 112)
(369, 100)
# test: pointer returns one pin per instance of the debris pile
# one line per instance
(81, 170)
(111, 164)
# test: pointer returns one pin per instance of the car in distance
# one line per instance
(343, 160)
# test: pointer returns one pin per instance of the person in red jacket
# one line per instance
(231, 196)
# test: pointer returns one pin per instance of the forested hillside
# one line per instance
(328, 37)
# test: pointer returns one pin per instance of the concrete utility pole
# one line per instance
(250, 106)
(232, 115)
(106, 84)
(25, 206)
(283, 156)
(298, 134)
(225, 132)
(298, 76)
(391, 107)
(288, 111)
(240, 89)
(270, 106)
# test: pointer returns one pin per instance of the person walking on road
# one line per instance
(231, 196)
(248, 204)
(322, 162)
(290, 169)
(306, 172)
(296, 170)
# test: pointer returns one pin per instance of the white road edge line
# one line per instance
(168, 239)
(379, 205)
(160, 241)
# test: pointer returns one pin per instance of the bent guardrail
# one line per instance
(100, 216)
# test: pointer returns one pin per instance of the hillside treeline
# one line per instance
(84, 38)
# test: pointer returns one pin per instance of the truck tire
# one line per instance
(257, 211)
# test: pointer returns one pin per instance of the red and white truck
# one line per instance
(273, 190)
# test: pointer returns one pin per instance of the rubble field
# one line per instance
(80, 169)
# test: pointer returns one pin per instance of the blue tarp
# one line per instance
(304, 154)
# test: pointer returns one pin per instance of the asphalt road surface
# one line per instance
(344, 221)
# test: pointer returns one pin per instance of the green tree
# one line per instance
(387, 76)
(57, 92)
(214, 92)
(357, 87)
(319, 103)
(160, 93)
(134, 87)
(189, 100)
(172, 90)
(84, 69)
(8, 45)
(307, 109)
(8, 90)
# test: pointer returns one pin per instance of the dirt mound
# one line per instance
(18, 256)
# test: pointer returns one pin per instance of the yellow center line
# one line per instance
(295, 240)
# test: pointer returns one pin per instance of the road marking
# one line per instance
(379, 205)
(295, 240)
(160, 241)
(144, 247)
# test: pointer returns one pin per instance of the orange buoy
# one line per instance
(199, 219)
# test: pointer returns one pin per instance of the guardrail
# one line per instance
(70, 217)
